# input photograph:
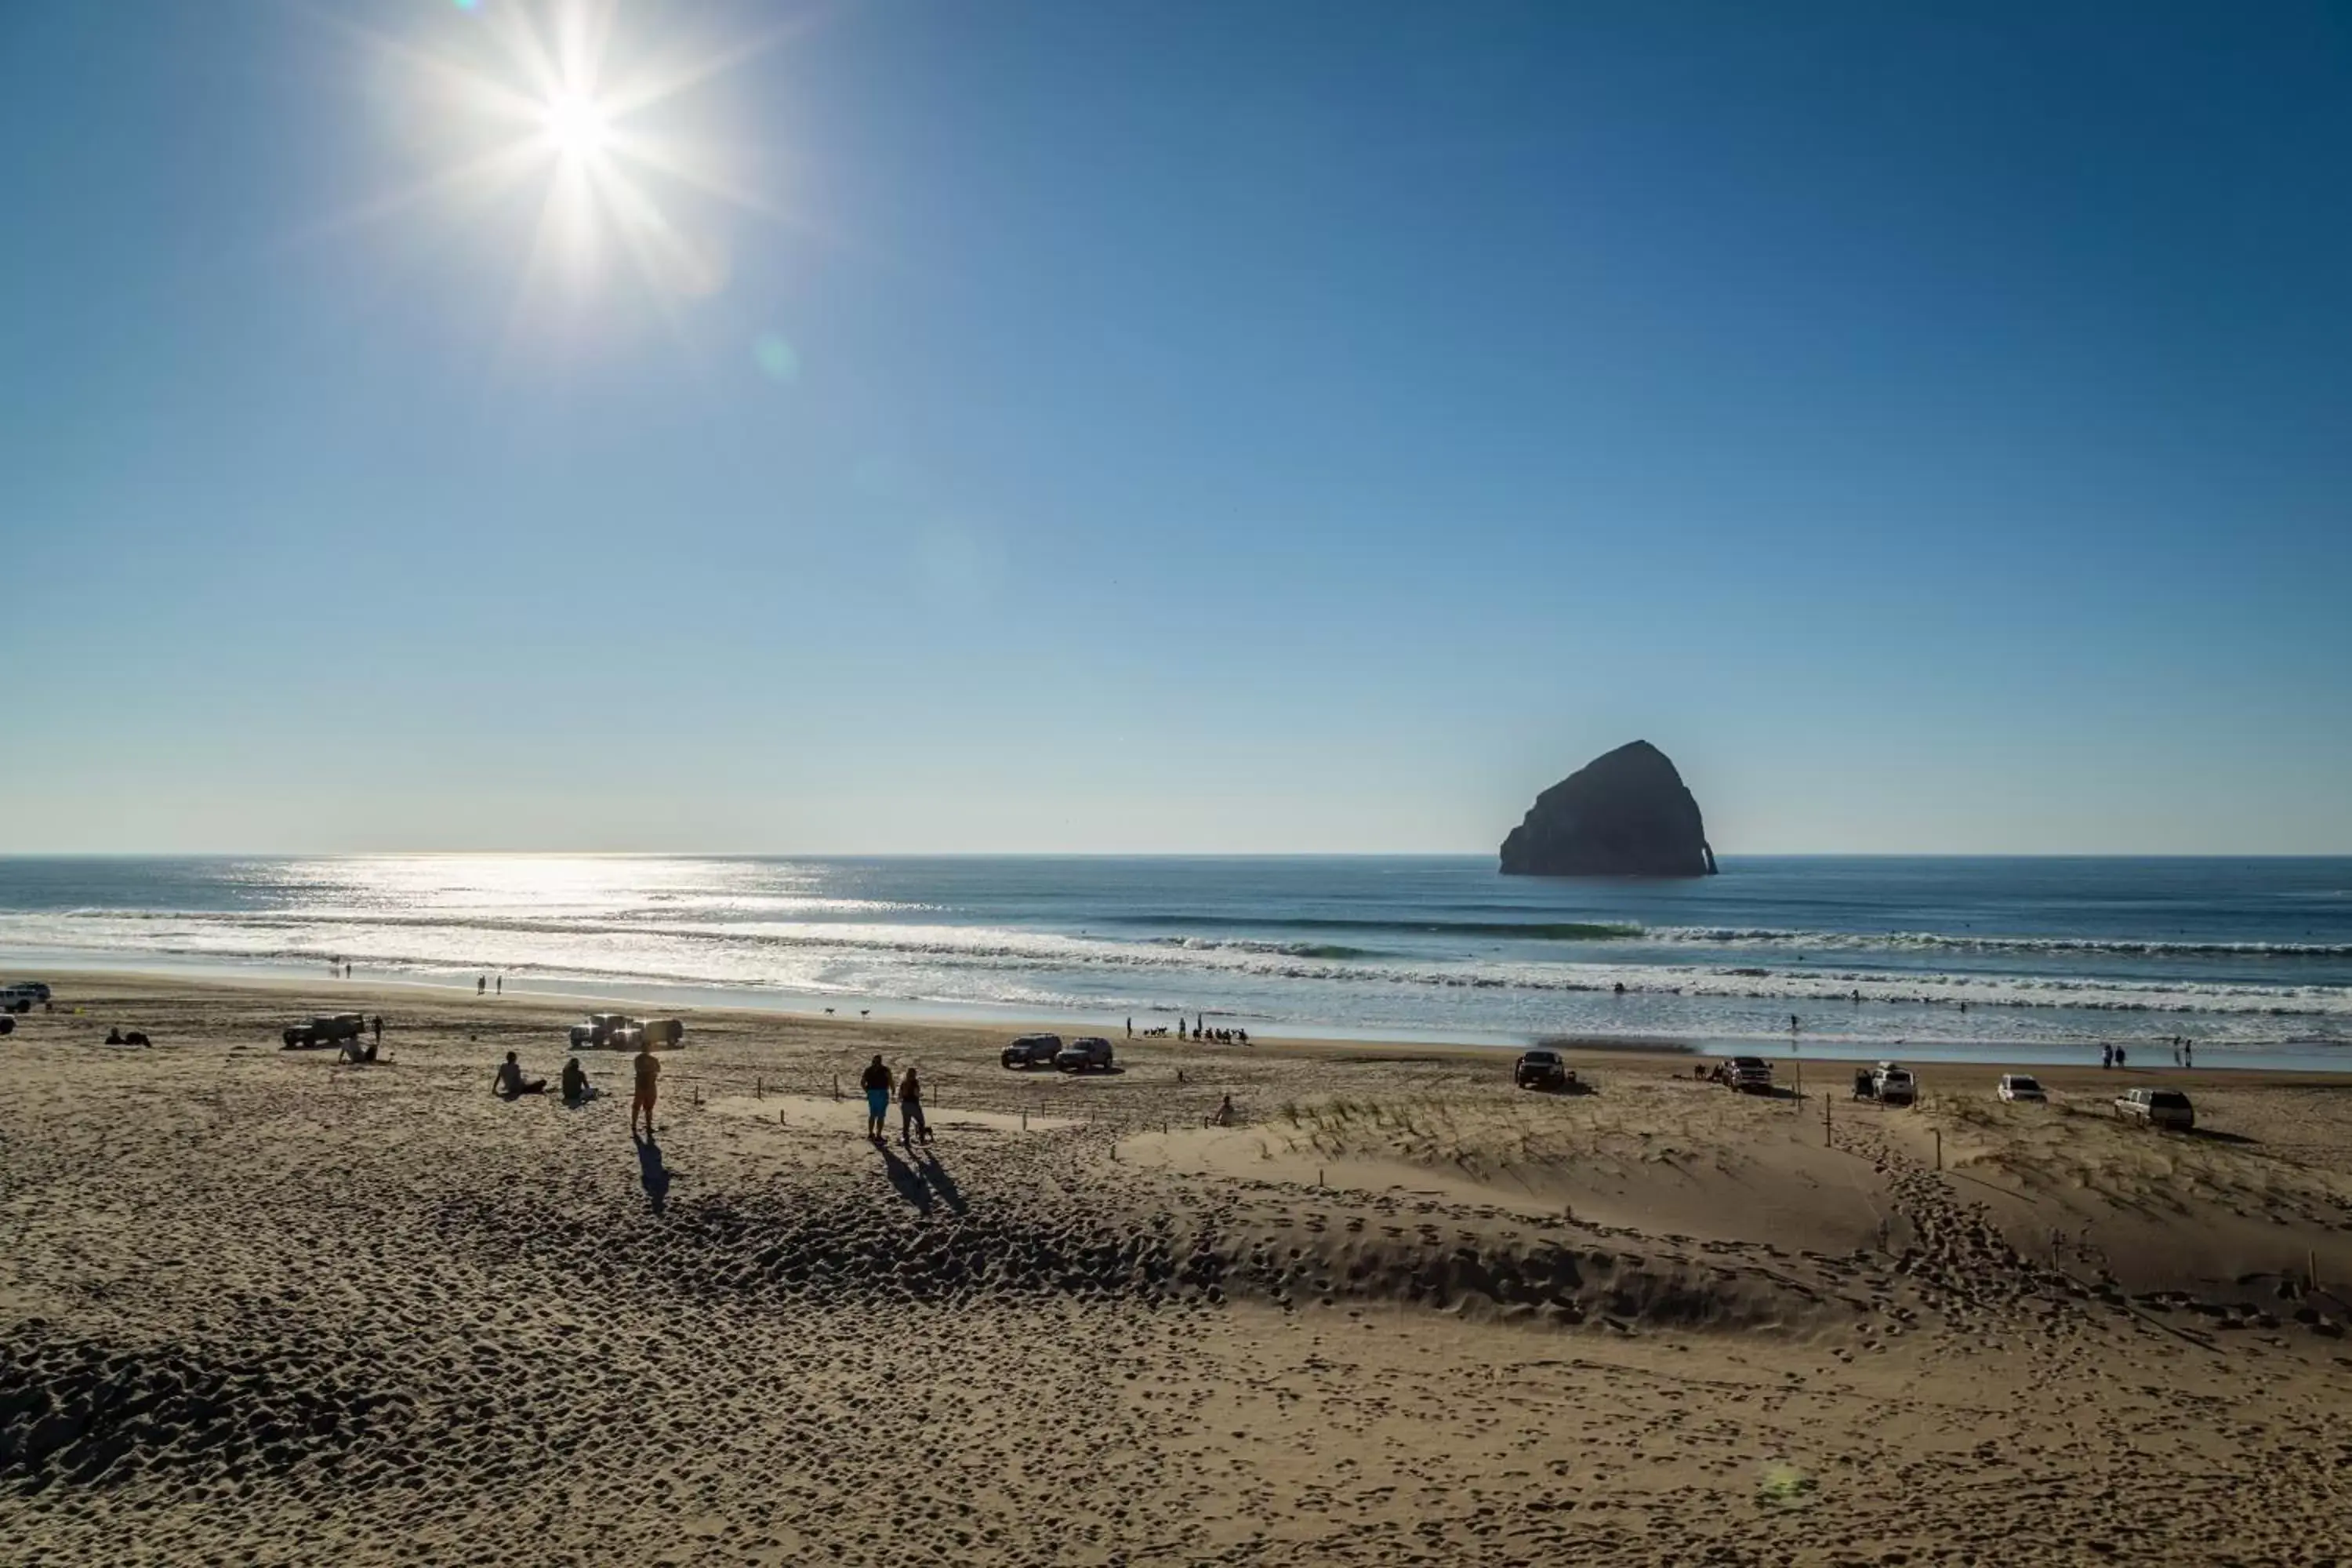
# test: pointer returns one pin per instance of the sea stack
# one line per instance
(1626, 813)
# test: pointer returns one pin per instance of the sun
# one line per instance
(575, 124)
(585, 113)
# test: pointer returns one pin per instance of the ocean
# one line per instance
(2040, 960)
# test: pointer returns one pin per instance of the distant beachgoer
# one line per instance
(378, 1022)
(2189, 1054)
(1792, 1023)
(113, 1036)
(875, 1082)
(1224, 1113)
(512, 1085)
(575, 1081)
(1620, 988)
(2175, 1052)
(481, 984)
(1130, 1029)
(648, 1067)
(2106, 1055)
(1242, 1035)
(503, 985)
(2120, 1058)
(910, 1110)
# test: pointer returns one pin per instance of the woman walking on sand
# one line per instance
(877, 1084)
(910, 1110)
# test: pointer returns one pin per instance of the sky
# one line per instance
(900, 426)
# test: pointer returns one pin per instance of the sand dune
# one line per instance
(259, 1306)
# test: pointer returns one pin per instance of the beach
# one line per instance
(257, 1306)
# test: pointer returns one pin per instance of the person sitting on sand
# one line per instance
(875, 1082)
(577, 1089)
(113, 1036)
(1224, 1116)
(512, 1085)
(648, 1068)
(356, 1054)
(910, 1110)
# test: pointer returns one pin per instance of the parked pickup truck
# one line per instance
(326, 1029)
(1543, 1069)
(596, 1032)
(1033, 1051)
(1748, 1075)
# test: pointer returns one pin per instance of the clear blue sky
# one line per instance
(1179, 427)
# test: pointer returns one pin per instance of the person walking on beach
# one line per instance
(875, 1082)
(2106, 1056)
(648, 1067)
(481, 984)
(503, 985)
(1130, 1029)
(910, 1110)
(2189, 1054)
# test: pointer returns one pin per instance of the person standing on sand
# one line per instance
(648, 1067)
(2106, 1056)
(910, 1110)
(2189, 1054)
(379, 1029)
(1130, 1029)
(481, 984)
(875, 1082)
(503, 985)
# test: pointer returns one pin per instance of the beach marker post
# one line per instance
(1939, 1148)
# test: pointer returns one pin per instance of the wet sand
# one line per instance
(256, 1306)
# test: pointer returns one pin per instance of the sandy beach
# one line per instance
(259, 1306)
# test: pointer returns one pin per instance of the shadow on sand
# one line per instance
(922, 1182)
(651, 1172)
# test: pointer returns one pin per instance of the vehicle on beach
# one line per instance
(20, 997)
(2167, 1107)
(1543, 1069)
(326, 1029)
(2022, 1088)
(1888, 1083)
(1088, 1053)
(1747, 1074)
(597, 1031)
(662, 1034)
(1033, 1051)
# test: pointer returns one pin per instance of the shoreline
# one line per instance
(1588, 1053)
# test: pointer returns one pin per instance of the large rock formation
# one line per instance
(1627, 814)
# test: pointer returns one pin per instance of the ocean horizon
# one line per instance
(2033, 958)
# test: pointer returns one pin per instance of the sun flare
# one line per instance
(565, 111)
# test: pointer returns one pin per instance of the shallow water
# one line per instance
(2043, 959)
